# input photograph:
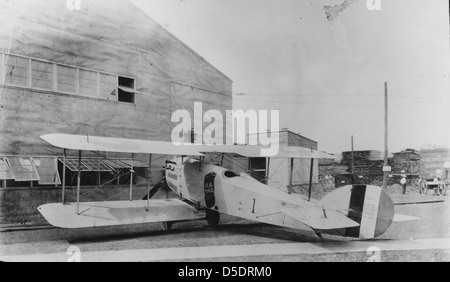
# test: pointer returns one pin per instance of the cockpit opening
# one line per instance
(230, 174)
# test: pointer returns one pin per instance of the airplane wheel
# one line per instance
(166, 226)
(213, 218)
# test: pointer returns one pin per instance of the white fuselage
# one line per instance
(219, 189)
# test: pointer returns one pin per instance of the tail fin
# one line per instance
(369, 206)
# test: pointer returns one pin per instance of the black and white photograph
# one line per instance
(231, 134)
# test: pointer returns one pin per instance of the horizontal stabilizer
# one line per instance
(100, 214)
(403, 218)
(423, 202)
(320, 219)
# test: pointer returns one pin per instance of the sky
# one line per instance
(327, 77)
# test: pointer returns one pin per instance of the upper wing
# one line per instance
(100, 214)
(258, 152)
(118, 145)
(302, 153)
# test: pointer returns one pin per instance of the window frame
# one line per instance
(31, 75)
(55, 80)
(41, 181)
(14, 172)
(9, 169)
(119, 89)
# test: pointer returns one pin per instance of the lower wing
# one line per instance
(99, 214)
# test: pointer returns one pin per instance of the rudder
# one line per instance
(369, 206)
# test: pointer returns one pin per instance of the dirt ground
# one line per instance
(390, 256)
(434, 223)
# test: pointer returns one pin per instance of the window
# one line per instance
(88, 83)
(108, 86)
(47, 170)
(67, 79)
(23, 169)
(41, 75)
(258, 169)
(126, 90)
(16, 71)
(5, 172)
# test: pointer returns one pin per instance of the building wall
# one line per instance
(432, 162)
(279, 171)
(19, 205)
(110, 36)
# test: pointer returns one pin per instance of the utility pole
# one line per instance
(386, 135)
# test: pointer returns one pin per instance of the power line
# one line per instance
(304, 95)
(372, 105)
(243, 95)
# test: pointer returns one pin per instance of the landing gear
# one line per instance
(319, 235)
(166, 226)
(213, 218)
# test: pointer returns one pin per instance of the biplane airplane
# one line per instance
(358, 211)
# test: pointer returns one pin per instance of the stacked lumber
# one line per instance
(326, 174)
(342, 180)
(361, 158)
(365, 162)
(407, 162)
(341, 169)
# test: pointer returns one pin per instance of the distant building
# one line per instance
(432, 162)
(277, 172)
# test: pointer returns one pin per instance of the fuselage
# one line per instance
(221, 190)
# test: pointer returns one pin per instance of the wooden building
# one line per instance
(106, 69)
(432, 162)
(278, 172)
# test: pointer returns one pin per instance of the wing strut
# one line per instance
(131, 177)
(149, 190)
(267, 171)
(64, 178)
(291, 177)
(79, 183)
(311, 174)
